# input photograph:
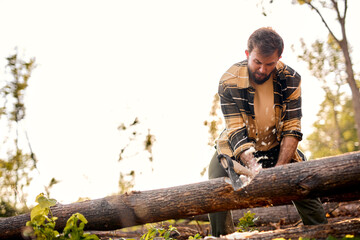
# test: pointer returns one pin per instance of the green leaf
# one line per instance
(46, 203)
(38, 211)
(56, 233)
(92, 237)
(81, 218)
(38, 196)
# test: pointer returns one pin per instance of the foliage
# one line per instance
(214, 124)
(338, 9)
(6, 209)
(44, 226)
(334, 131)
(348, 236)
(161, 232)
(247, 222)
(135, 136)
(196, 236)
(126, 182)
(16, 162)
(52, 182)
(74, 231)
(215, 121)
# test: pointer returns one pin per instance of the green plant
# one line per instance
(73, 231)
(196, 236)
(44, 226)
(247, 222)
(347, 236)
(159, 232)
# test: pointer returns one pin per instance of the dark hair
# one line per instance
(267, 41)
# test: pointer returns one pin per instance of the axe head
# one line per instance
(227, 163)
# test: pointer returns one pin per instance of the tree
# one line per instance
(16, 163)
(334, 131)
(340, 8)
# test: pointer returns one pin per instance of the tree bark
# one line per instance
(287, 214)
(331, 176)
(319, 232)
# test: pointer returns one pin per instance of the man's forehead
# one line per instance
(266, 59)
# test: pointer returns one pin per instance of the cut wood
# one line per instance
(332, 176)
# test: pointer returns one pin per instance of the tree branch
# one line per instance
(323, 20)
(336, 7)
(345, 10)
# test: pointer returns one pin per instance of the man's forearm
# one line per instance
(288, 147)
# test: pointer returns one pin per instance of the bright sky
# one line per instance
(102, 63)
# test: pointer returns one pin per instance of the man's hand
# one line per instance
(288, 146)
(247, 157)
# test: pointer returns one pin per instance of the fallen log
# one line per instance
(287, 214)
(331, 176)
(320, 232)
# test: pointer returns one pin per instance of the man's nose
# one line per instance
(262, 69)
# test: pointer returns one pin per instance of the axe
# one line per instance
(234, 171)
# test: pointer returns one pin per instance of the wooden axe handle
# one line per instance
(239, 169)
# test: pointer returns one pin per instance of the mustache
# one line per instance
(262, 79)
(259, 73)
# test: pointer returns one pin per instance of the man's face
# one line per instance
(260, 67)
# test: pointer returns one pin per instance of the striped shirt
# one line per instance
(237, 105)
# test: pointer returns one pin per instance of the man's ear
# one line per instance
(247, 53)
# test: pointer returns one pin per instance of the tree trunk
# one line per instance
(329, 176)
(352, 83)
(349, 71)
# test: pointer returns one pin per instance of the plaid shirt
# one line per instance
(237, 105)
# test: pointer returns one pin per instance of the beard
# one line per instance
(258, 80)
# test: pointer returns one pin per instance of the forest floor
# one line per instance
(343, 220)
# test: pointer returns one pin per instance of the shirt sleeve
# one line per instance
(293, 113)
(234, 138)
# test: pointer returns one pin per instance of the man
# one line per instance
(261, 103)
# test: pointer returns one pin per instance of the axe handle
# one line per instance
(241, 170)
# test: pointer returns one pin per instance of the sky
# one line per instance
(103, 63)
